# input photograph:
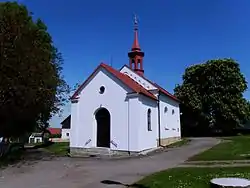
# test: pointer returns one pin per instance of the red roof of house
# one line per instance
(54, 131)
(123, 78)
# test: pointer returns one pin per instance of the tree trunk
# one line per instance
(229, 183)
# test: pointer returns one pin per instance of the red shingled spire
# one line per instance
(136, 45)
(136, 55)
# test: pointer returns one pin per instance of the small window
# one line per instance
(67, 134)
(139, 64)
(102, 89)
(149, 120)
(173, 111)
(165, 109)
(133, 64)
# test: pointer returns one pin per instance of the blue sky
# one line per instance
(173, 34)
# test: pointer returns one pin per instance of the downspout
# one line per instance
(128, 130)
(159, 119)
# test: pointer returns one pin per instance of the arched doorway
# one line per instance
(103, 127)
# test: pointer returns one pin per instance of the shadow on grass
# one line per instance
(10, 153)
(16, 153)
(43, 145)
(111, 182)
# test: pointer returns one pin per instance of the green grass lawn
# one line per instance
(233, 148)
(191, 177)
(58, 148)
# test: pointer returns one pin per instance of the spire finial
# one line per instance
(135, 21)
(136, 45)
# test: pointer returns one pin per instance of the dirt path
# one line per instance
(86, 173)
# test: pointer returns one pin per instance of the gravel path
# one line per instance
(86, 173)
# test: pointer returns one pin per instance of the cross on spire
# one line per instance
(136, 45)
(135, 21)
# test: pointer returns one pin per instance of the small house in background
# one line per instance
(38, 137)
(66, 128)
(35, 138)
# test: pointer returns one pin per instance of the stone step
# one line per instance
(100, 151)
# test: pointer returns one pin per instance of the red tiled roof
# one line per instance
(123, 78)
(157, 86)
(129, 82)
(54, 131)
(166, 92)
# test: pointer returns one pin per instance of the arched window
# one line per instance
(149, 120)
(173, 112)
(165, 109)
(139, 64)
(133, 64)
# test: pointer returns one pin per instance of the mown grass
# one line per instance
(58, 148)
(191, 177)
(220, 162)
(232, 148)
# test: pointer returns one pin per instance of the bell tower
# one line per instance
(136, 55)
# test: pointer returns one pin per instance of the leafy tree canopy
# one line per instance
(31, 85)
(212, 96)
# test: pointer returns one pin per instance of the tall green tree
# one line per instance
(212, 96)
(32, 87)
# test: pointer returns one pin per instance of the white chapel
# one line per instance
(122, 112)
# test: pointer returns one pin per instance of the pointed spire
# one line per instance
(136, 46)
(136, 55)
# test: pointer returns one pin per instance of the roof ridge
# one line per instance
(156, 85)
